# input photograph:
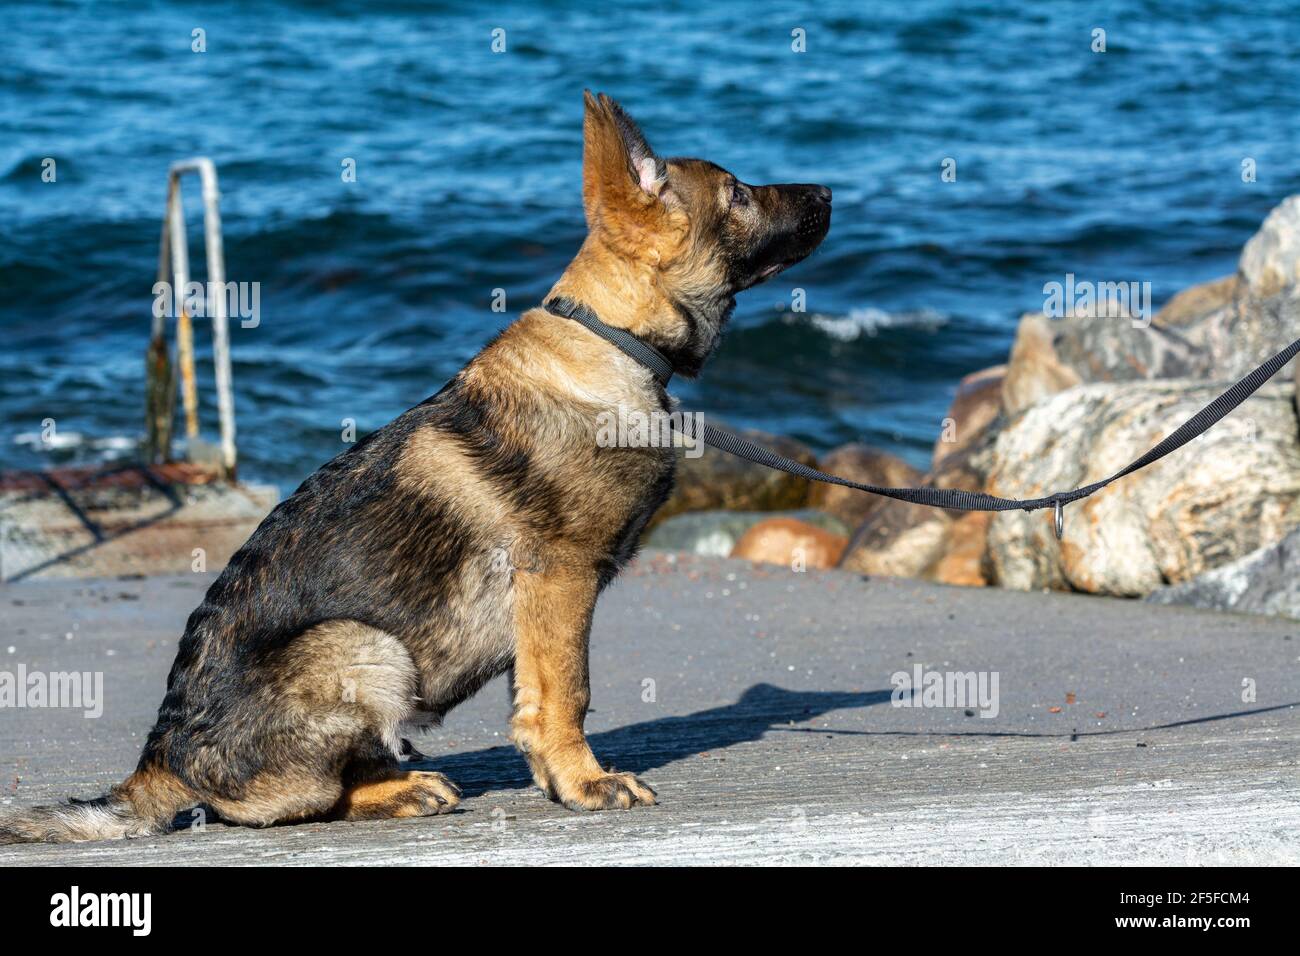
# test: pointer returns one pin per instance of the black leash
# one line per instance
(733, 444)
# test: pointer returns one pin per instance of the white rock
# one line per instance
(1270, 261)
(1266, 581)
(1233, 491)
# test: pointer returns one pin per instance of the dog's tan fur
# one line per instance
(469, 537)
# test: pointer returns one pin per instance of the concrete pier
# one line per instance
(103, 521)
(760, 704)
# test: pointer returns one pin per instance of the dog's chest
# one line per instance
(640, 484)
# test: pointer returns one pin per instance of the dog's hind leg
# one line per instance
(407, 793)
(326, 729)
(552, 692)
(375, 787)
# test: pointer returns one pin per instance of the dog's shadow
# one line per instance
(651, 744)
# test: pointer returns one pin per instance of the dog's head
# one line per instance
(695, 234)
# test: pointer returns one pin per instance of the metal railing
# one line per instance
(174, 267)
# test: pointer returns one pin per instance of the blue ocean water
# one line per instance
(1122, 165)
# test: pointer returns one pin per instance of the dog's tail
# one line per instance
(143, 805)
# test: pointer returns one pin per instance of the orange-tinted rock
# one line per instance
(1188, 307)
(1035, 371)
(899, 541)
(965, 561)
(975, 406)
(863, 464)
(794, 544)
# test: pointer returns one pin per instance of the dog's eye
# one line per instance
(738, 195)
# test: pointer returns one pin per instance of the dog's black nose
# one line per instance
(822, 193)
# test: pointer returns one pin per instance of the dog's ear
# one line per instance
(624, 184)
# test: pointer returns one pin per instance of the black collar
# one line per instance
(629, 344)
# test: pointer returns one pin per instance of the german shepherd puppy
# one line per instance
(469, 537)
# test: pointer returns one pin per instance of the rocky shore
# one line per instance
(1078, 398)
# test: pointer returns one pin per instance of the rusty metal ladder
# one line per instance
(174, 268)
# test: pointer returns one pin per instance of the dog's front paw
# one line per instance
(607, 791)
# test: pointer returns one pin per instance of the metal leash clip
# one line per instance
(1058, 518)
